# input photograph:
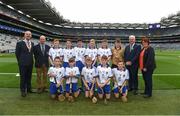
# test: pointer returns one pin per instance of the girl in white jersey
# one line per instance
(55, 51)
(91, 51)
(68, 53)
(104, 50)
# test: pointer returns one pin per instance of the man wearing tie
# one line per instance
(24, 55)
(131, 56)
(41, 51)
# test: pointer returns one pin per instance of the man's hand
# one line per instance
(129, 63)
(144, 69)
(52, 75)
(58, 84)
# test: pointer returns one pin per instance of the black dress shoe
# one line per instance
(23, 94)
(147, 96)
(39, 90)
(135, 92)
(142, 93)
(44, 90)
(130, 90)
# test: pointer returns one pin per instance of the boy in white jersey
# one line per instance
(91, 51)
(79, 52)
(121, 76)
(68, 53)
(55, 51)
(72, 75)
(104, 50)
(103, 80)
(56, 77)
(88, 76)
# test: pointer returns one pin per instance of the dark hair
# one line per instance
(145, 39)
(121, 61)
(79, 39)
(69, 40)
(72, 59)
(104, 57)
(57, 57)
(118, 40)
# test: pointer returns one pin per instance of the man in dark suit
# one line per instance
(131, 57)
(41, 63)
(24, 55)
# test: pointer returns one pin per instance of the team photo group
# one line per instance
(98, 73)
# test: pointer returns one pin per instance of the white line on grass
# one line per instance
(160, 74)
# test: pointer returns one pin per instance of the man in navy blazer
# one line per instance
(131, 58)
(24, 56)
(41, 56)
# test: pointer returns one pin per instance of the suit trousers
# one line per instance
(147, 76)
(25, 77)
(41, 80)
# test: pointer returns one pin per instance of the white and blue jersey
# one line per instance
(79, 57)
(67, 54)
(59, 74)
(120, 77)
(55, 52)
(91, 53)
(89, 74)
(73, 80)
(104, 73)
(107, 52)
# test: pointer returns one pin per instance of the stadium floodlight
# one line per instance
(78, 27)
(28, 16)
(40, 21)
(20, 12)
(58, 25)
(48, 23)
(35, 19)
(10, 7)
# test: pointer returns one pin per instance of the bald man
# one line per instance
(24, 56)
(41, 51)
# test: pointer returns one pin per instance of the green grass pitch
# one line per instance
(165, 100)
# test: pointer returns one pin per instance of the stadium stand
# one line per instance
(20, 15)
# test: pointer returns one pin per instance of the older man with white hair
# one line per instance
(24, 55)
(131, 56)
(41, 56)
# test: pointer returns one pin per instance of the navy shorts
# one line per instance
(106, 90)
(54, 90)
(74, 87)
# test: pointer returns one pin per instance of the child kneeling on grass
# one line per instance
(56, 77)
(103, 79)
(121, 76)
(72, 75)
(88, 76)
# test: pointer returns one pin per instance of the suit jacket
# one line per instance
(23, 55)
(41, 59)
(149, 59)
(132, 55)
